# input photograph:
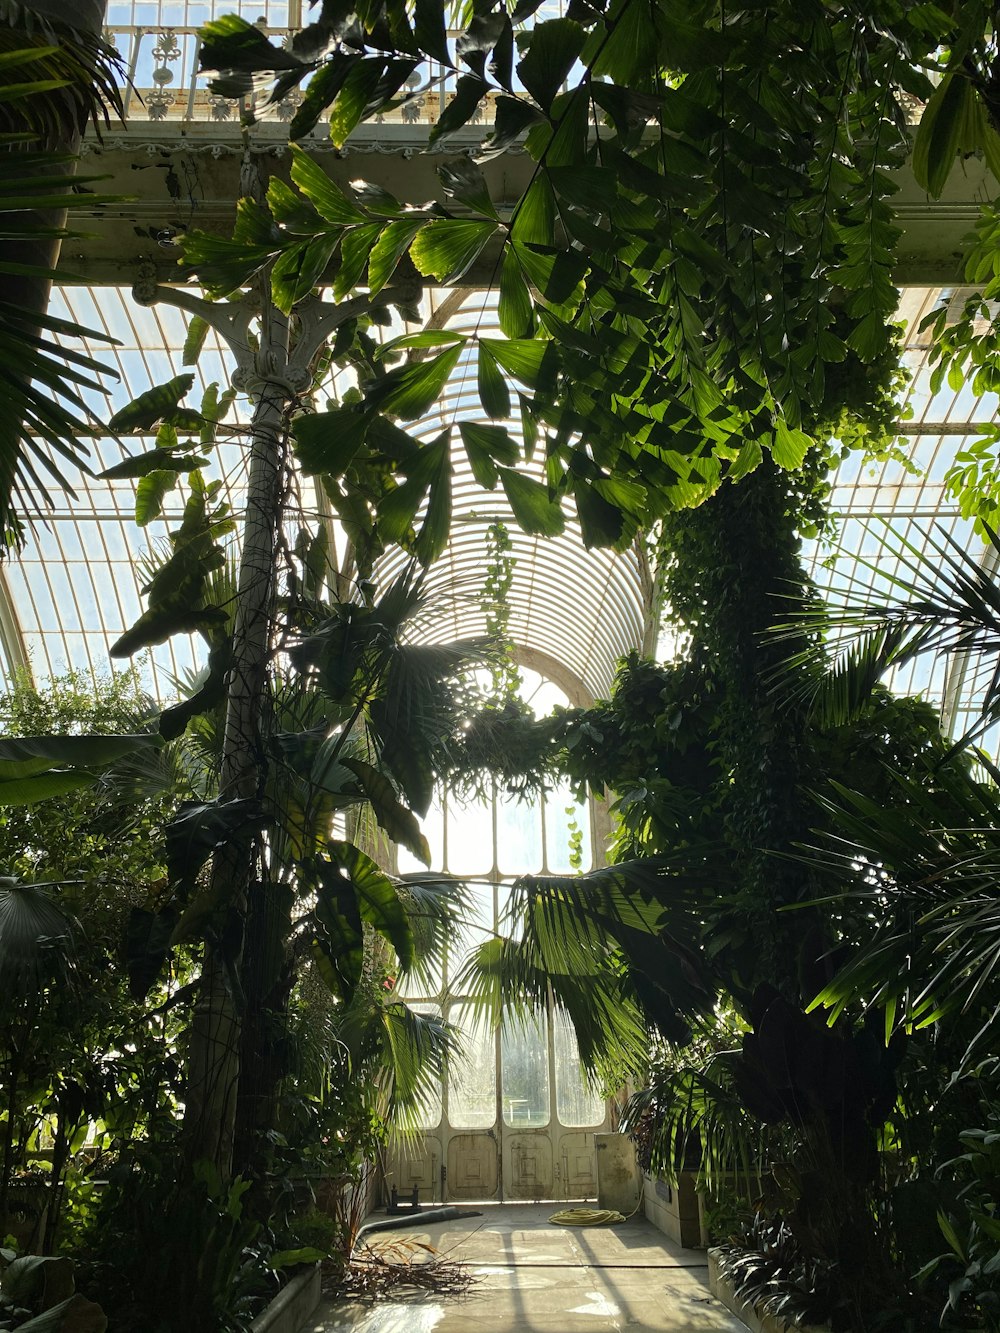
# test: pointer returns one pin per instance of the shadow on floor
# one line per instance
(531, 1276)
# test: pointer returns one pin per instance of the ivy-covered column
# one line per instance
(732, 565)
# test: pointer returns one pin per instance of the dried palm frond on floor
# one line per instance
(382, 1268)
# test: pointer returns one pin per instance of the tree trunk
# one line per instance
(214, 1077)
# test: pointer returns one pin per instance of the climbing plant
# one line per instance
(679, 292)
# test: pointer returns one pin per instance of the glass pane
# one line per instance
(432, 827)
(470, 838)
(519, 836)
(578, 1106)
(567, 833)
(479, 925)
(524, 1061)
(428, 1116)
(472, 1073)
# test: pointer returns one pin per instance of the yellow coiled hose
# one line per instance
(587, 1217)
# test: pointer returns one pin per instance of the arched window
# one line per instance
(524, 1084)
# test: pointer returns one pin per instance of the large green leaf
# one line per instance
(411, 391)
(393, 242)
(151, 491)
(157, 404)
(328, 441)
(469, 92)
(486, 446)
(399, 822)
(194, 341)
(232, 43)
(493, 392)
(210, 693)
(320, 91)
(28, 791)
(329, 200)
(428, 474)
(557, 274)
(602, 523)
(299, 269)
(24, 756)
(354, 97)
(355, 253)
(158, 624)
(378, 900)
(429, 29)
(553, 50)
(514, 308)
(940, 131)
(512, 120)
(448, 248)
(147, 947)
(464, 181)
(338, 943)
(177, 588)
(176, 459)
(194, 833)
(789, 447)
(535, 510)
(531, 360)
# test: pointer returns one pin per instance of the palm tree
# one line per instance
(358, 718)
(925, 869)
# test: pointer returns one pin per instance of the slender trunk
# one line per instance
(267, 981)
(214, 1076)
(53, 1212)
(8, 1156)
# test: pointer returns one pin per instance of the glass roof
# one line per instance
(905, 498)
(573, 613)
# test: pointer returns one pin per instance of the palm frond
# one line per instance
(510, 983)
(416, 1051)
(88, 72)
(436, 907)
(36, 939)
(929, 887)
(693, 1115)
(947, 602)
(49, 86)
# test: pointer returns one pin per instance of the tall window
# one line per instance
(529, 1074)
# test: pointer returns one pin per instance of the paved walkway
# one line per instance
(533, 1277)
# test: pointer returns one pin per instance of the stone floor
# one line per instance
(531, 1276)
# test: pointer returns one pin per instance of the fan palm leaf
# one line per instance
(36, 939)
(437, 907)
(946, 602)
(399, 1053)
(51, 83)
(513, 984)
(929, 891)
(619, 949)
(695, 1105)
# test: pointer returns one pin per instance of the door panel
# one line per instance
(417, 1163)
(527, 1165)
(576, 1166)
(472, 1167)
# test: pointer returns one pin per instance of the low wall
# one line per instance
(674, 1209)
(293, 1306)
(722, 1289)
